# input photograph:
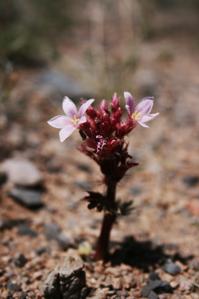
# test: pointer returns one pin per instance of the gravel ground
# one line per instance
(161, 234)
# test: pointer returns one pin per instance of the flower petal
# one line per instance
(142, 124)
(149, 117)
(58, 121)
(69, 107)
(66, 132)
(84, 107)
(82, 120)
(144, 107)
(130, 103)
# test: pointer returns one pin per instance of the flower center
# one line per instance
(75, 120)
(136, 115)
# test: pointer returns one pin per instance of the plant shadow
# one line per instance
(145, 255)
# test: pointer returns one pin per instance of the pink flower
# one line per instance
(141, 113)
(69, 122)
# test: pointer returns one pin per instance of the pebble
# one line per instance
(155, 286)
(25, 230)
(21, 172)
(83, 185)
(3, 178)
(84, 167)
(191, 180)
(20, 260)
(136, 190)
(67, 281)
(13, 286)
(29, 198)
(53, 232)
(171, 268)
(41, 250)
(64, 241)
(10, 223)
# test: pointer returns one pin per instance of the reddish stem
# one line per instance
(102, 247)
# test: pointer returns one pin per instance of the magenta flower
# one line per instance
(70, 122)
(141, 113)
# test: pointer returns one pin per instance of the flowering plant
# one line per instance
(103, 132)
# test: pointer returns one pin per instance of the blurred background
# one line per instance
(93, 48)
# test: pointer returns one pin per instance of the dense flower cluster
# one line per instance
(103, 130)
(103, 138)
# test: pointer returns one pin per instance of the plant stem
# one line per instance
(102, 246)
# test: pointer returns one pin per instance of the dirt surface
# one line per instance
(164, 225)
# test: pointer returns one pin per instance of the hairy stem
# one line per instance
(102, 247)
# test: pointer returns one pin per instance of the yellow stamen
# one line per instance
(136, 115)
(75, 120)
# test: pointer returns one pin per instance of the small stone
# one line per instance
(25, 230)
(10, 223)
(20, 260)
(64, 241)
(154, 276)
(3, 178)
(21, 172)
(13, 286)
(41, 250)
(156, 285)
(29, 198)
(23, 295)
(83, 185)
(136, 190)
(67, 281)
(51, 231)
(153, 295)
(84, 167)
(171, 268)
(191, 180)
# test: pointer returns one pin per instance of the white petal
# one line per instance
(130, 103)
(82, 120)
(69, 107)
(143, 124)
(84, 107)
(66, 132)
(58, 121)
(145, 106)
(149, 117)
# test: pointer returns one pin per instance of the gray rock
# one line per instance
(41, 250)
(25, 230)
(13, 287)
(171, 268)
(155, 286)
(21, 172)
(30, 199)
(53, 232)
(10, 223)
(57, 84)
(20, 260)
(68, 281)
(83, 185)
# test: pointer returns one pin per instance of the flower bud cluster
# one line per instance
(103, 137)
